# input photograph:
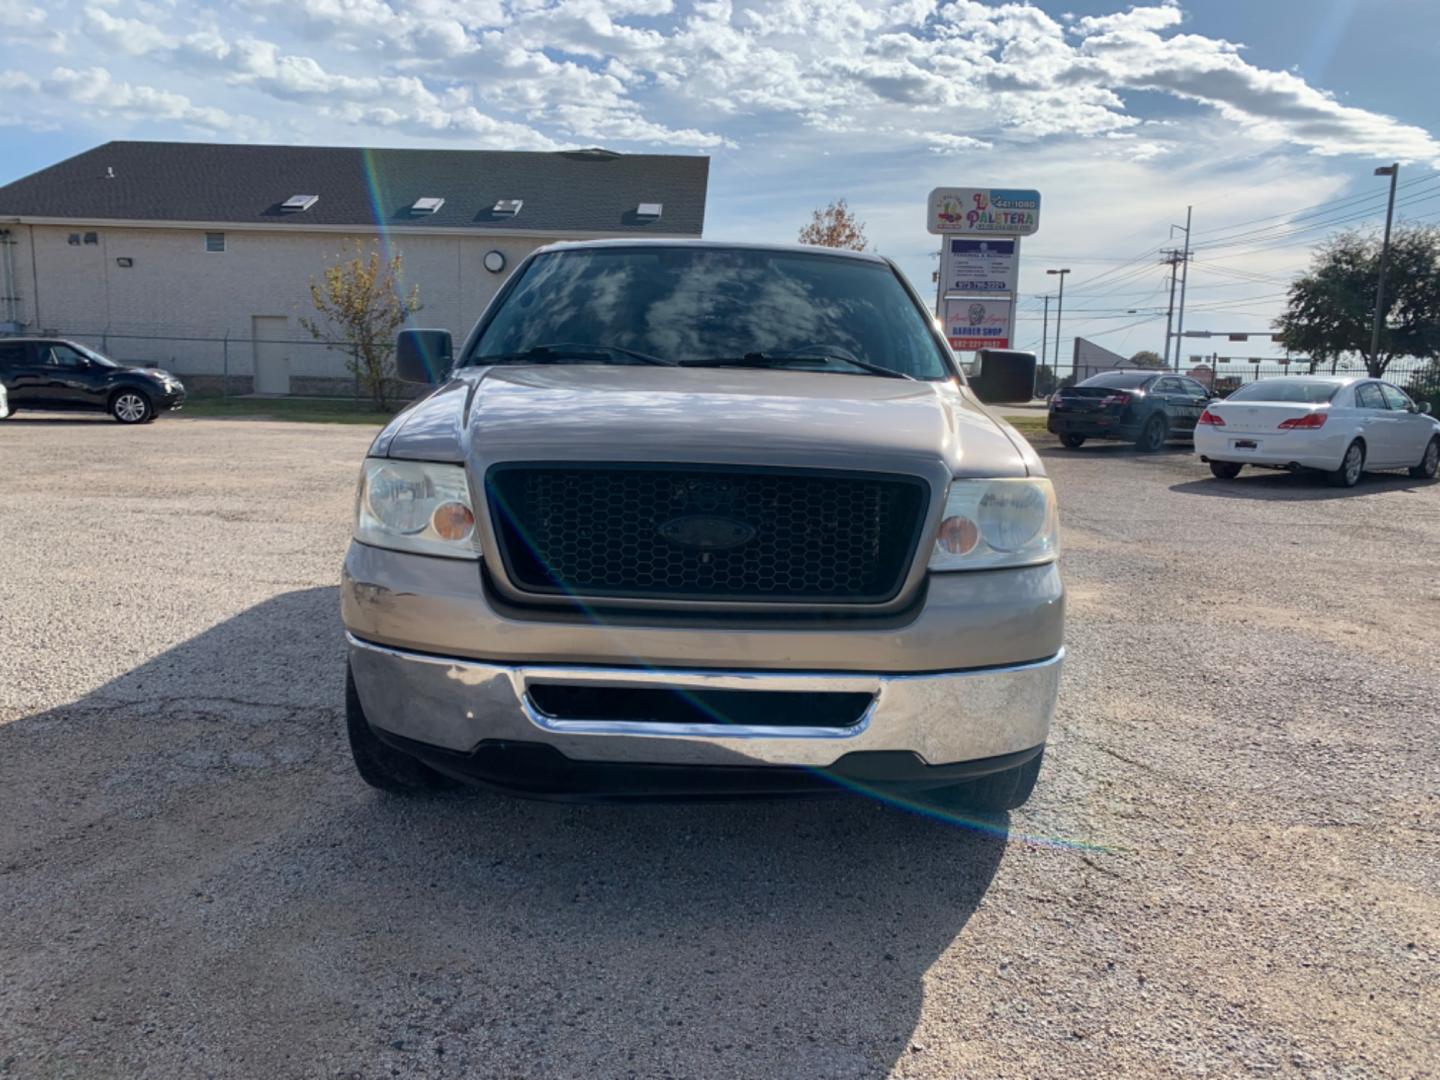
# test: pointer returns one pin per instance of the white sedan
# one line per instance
(1341, 425)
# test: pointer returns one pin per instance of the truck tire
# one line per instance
(382, 766)
(994, 793)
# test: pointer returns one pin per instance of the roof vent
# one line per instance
(427, 205)
(299, 203)
(649, 211)
(507, 207)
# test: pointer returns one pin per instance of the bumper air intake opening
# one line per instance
(677, 705)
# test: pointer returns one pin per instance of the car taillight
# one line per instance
(1115, 399)
(1313, 420)
(1208, 417)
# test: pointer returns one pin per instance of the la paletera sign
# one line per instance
(978, 211)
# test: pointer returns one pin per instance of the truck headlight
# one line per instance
(992, 523)
(416, 506)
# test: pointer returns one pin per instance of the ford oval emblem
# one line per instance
(706, 532)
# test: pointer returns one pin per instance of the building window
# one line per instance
(214, 241)
(74, 239)
(92, 238)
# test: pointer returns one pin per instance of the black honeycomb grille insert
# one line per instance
(637, 531)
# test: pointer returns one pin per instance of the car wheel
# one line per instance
(131, 407)
(1429, 464)
(1225, 470)
(380, 765)
(1074, 442)
(1153, 435)
(991, 794)
(1352, 466)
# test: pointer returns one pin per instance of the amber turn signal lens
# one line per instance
(959, 535)
(452, 521)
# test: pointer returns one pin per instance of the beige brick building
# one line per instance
(185, 254)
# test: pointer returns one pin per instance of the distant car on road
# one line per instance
(1143, 407)
(1342, 426)
(54, 373)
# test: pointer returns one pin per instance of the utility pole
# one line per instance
(1392, 171)
(1173, 258)
(1045, 328)
(1184, 277)
(1060, 310)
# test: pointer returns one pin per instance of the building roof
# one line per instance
(563, 192)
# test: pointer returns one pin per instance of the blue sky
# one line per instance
(1251, 110)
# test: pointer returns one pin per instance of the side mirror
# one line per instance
(1004, 375)
(424, 356)
(1425, 408)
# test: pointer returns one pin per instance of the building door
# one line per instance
(271, 334)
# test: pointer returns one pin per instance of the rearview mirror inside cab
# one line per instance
(1003, 375)
(424, 356)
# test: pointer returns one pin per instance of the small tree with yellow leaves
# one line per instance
(360, 301)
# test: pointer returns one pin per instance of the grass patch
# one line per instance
(303, 410)
(1028, 425)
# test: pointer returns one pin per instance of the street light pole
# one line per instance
(1045, 329)
(1392, 171)
(1060, 310)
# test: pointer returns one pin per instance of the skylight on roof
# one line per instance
(427, 204)
(298, 203)
(649, 210)
(507, 207)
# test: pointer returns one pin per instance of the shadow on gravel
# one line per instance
(196, 882)
(1277, 486)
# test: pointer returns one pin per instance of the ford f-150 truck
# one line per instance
(690, 519)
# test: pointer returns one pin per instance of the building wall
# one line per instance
(191, 311)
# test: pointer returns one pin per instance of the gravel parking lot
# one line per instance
(1230, 867)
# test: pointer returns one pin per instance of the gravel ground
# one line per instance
(1230, 866)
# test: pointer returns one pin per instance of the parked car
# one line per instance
(57, 374)
(1143, 407)
(701, 519)
(1340, 425)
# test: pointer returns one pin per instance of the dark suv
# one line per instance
(1143, 407)
(52, 373)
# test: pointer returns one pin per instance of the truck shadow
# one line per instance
(188, 850)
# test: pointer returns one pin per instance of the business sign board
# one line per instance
(979, 265)
(979, 211)
(973, 323)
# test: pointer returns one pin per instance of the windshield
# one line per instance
(1298, 391)
(710, 304)
(1119, 380)
(91, 354)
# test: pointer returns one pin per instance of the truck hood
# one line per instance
(728, 415)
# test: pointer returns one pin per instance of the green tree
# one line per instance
(1330, 309)
(835, 226)
(1147, 358)
(360, 302)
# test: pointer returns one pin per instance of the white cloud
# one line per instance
(27, 25)
(917, 75)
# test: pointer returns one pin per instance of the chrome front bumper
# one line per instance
(944, 717)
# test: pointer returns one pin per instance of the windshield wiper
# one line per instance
(780, 360)
(559, 353)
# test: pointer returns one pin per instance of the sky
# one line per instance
(1267, 116)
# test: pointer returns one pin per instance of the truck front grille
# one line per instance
(695, 532)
